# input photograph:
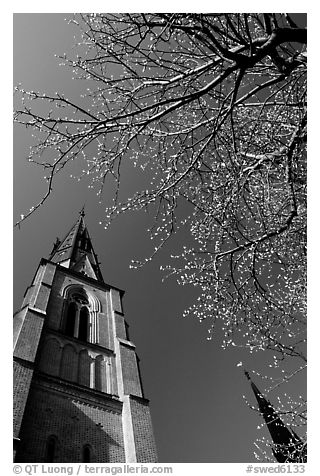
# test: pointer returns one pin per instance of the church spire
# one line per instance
(287, 446)
(75, 250)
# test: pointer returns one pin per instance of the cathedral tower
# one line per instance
(77, 388)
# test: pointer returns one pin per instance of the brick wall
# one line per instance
(120, 326)
(74, 421)
(30, 330)
(22, 373)
(131, 379)
(142, 430)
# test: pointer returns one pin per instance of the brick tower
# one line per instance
(77, 388)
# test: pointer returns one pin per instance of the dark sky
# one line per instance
(195, 388)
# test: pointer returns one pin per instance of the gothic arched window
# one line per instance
(80, 315)
(51, 449)
(86, 454)
(83, 333)
(71, 318)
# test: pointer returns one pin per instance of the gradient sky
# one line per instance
(195, 388)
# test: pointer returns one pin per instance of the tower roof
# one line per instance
(288, 447)
(75, 250)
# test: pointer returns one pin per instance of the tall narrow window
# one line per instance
(50, 449)
(86, 454)
(71, 318)
(84, 324)
(80, 316)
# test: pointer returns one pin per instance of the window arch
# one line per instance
(51, 449)
(102, 375)
(71, 318)
(83, 333)
(69, 363)
(80, 318)
(86, 454)
(85, 368)
(50, 356)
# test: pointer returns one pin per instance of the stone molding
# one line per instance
(75, 391)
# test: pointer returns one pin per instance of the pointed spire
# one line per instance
(76, 252)
(288, 447)
(82, 212)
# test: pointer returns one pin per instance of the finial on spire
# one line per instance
(246, 373)
(82, 213)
